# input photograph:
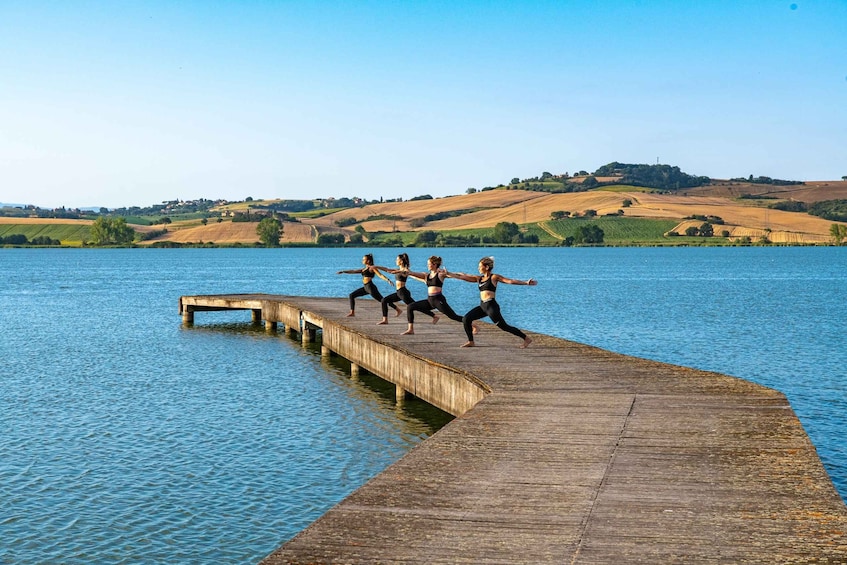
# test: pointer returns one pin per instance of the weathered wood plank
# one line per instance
(565, 453)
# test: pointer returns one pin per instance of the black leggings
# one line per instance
(369, 288)
(491, 309)
(401, 294)
(435, 302)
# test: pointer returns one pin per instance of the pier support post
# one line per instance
(354, 370)
(400, 395)
(309, 334)
(288, 331)
(270, 327)
(326, 351)
(187, 316)
(257, 316)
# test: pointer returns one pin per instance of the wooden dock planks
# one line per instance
(574, 454)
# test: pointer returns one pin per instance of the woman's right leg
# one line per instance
(388, 302)
(407, 298)
(353, 296)
(475, 314)
(439, 303)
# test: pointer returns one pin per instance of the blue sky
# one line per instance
(120, 103)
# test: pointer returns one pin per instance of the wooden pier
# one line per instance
(562, 453)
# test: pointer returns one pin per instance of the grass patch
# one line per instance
(618, 230)
(68, 234)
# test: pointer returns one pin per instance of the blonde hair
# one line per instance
(488, 262)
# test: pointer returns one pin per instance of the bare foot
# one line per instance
(435, 319)
(408, 332)
(398, 311)
(469, 344)
(351, 314)
(475, 329)
(527, 340)
(382, 323)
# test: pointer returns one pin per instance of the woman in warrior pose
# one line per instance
(435, 300)
(367, 272)
(487, 281)
(401, 274)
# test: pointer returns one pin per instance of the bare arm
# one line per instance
(419, 276)
(349, 272)
(375, 270)
(461, 276)
(501, 278)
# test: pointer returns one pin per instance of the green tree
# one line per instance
(692, 231)
(505, 231)
(330, 238)
(269, 231)
(589, 234)
(426, 237)
(707, 230)
(838, 233)
(111, 231)
(558, 214)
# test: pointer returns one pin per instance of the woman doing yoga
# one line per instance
(487, 282)
(367, 272)
(401, 274)
(435, 300)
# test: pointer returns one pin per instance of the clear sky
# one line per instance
(120, 103)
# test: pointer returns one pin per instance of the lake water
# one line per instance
(129, 438)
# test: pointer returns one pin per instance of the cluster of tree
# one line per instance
(592, 234)
(36, 212)
(509, 232)
(171, 207)
(767, 180)
(448, 214)
(713, 219)
(663, 177)
(21, 239)
(331, 239)
(145, 236)
(790, 206)
(504, 233)
(834, 210)
(111, 231)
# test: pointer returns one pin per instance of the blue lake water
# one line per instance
(127, 437)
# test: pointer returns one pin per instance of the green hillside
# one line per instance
(68, 234)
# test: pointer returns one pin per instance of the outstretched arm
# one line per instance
(349, 272)
(375, 270)
(461, 276)
(387, 269)
(501, 278)
(418, 276)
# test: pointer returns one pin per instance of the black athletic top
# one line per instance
(487, 285)
(401, 277)
(366, 272)
(435, 281)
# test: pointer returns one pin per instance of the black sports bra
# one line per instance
(401, 277)
(434, 281)
(366, 272)
(487, 285)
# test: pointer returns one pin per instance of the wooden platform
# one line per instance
(569, 454)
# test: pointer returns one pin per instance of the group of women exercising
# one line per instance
(487, 282)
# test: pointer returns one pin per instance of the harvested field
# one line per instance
(233, 232)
